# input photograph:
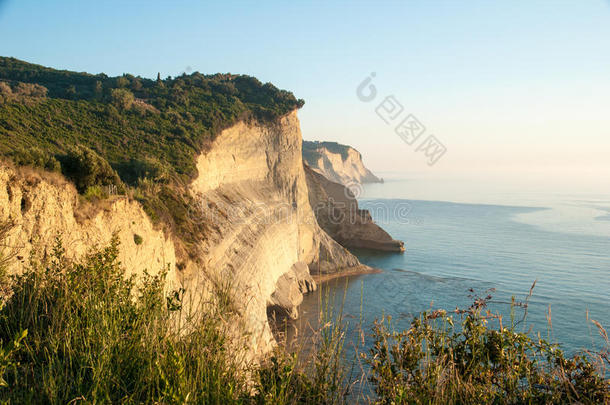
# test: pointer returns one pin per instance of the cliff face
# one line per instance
(41, 207)
(338, 214)
(338, 163)
(252, 187)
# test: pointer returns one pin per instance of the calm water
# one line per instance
(562, 241)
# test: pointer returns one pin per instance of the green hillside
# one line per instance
(127, 134)
(127, 120)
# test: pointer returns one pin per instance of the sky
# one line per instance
(515, 91)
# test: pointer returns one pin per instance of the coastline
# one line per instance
(352, 271)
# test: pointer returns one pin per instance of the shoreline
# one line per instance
(352, 271)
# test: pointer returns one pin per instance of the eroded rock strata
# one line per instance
(337, 212)
(252, 187)
(42, 207)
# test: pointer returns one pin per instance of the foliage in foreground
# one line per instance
(95, 335)
(74, 332)
(436, 361)
(85, 332)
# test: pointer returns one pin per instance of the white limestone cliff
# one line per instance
(252, 186)
(338, 163)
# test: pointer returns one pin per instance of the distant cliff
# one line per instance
(338, 163)
(337, 212)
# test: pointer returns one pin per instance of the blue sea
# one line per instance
(455, 250)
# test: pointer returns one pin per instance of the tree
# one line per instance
(86, 169)
(5, 92)
(136, 84)
(122, 81)
(122, 98)
(5, 89)
(98, 88)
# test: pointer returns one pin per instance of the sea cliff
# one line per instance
(338, 163)
(337, 212)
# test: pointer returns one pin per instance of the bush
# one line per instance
(93, 193)
(438, 362)
(149, 168)
(35, 157)
(137, 239)
(5, 89)
(122, 98)
(87, 169)
(22, 92)
(30, 90)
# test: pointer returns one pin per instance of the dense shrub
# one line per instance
(149, 168)
(122, 98)
(88, 169)
(6, 93)
(21, 92)
(440, 361)
(35, 157)
(95, 193)
(30, 90)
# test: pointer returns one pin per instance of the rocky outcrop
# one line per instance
(41, 207)
(338, 163)
(337, 212)
(289, 290)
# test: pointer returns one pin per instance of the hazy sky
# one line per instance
(515, 90)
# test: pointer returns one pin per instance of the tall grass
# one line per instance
(95, 335)
(312, 368)
(84, 332)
